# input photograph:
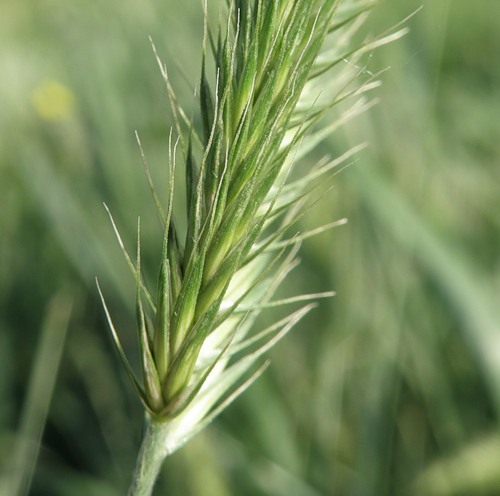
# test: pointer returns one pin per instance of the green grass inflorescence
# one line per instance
(264, 110)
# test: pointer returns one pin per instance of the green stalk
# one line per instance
(151, 456)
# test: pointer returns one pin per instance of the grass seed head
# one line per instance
(279, 71)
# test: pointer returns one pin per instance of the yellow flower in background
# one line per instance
(53, 101)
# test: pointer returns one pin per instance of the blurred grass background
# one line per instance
(392, 388)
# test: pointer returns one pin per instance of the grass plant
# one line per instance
(390, 388)
(265, 108)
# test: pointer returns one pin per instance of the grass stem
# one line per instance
(151, 456)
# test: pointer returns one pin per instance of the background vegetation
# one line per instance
(392, 388)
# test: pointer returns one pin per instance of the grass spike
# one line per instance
(267, 109)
